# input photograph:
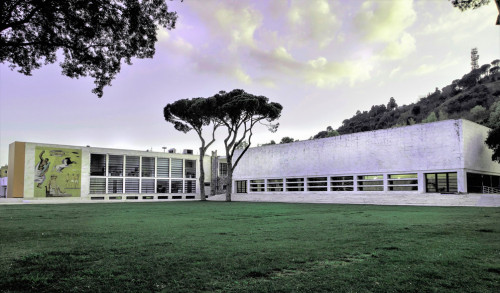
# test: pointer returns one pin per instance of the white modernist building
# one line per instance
(446, 157)
(441, 157)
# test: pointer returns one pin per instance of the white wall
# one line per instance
(477, 154)
(431, 146)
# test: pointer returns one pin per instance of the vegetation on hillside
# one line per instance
(475, 97)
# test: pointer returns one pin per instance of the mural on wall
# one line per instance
(57, 172)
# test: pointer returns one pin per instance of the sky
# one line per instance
(321, 60)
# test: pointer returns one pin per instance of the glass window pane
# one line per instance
(148, 186)
(97, 185)
(97, 165)
(115, 185)
(190, 186)
(176, 186)
(132, 186)
(163, 166)
(162, 186)
(148, 167)
(115, 165)
(190, 168)
(132, 166)
(176, 168)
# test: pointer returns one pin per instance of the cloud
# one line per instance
(394, 71)
(242, 76)
(313, 21)
(425, 68)
(233, 24)
(324, 73)
(399, 49)
(384, 21)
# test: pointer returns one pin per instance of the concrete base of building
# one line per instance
(425, 199)
(5, 201)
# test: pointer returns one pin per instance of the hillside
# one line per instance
(475, 97)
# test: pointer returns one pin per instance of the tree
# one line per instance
(484, 69)
(495, 62)
(286, 139)
(474, 4)
(493, 142)
(95, 37)
(469, 4)
(494, 119)
(392, 105)
(239, 112)
(494, 70)
(194, 114)
(431, 118)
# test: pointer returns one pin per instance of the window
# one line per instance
(115, 165)
(176, 186)
(257, 185)
(190, 186)
(476, 183)
(115, 185)
(403, 182)
(190, 168)
(132, 166)
(148, 167)
(148, 186)
(241, 186)
(223, 169)
(162, 186)
(176, 168)
(132, 185)
(441, 182)
(162, 168)
(294, 184)
(342, 183)
(97, 165)
(274, 185)
(317, 184)
(97, 185)
(371, 183)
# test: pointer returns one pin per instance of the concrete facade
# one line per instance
(451, 146)
(419, 164)
(24, 161)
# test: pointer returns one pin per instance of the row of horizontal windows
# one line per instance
(133, 166)
(131, 185)
(396, 182)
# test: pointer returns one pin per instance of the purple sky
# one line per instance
(322, 60)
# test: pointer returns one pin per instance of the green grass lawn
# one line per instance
(248, 247)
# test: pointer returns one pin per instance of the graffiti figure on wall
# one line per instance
(65, 163)
(40, 170)
(53, 189)
(54, 179)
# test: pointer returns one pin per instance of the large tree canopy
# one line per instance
(95, 36)
(196, 113)
(238, 112)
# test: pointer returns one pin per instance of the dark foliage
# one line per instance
(493, 142)
(95, 37)
(456, 100)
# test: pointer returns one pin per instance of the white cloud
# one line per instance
(425, 68)
(394, 72)
(242, 76)
(313, 21)
(323, 73)
(384, 21)
(399, 49)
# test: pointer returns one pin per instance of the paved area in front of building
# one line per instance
(425, 199)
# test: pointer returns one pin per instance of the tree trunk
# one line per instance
(202, 175)
(229, 187)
